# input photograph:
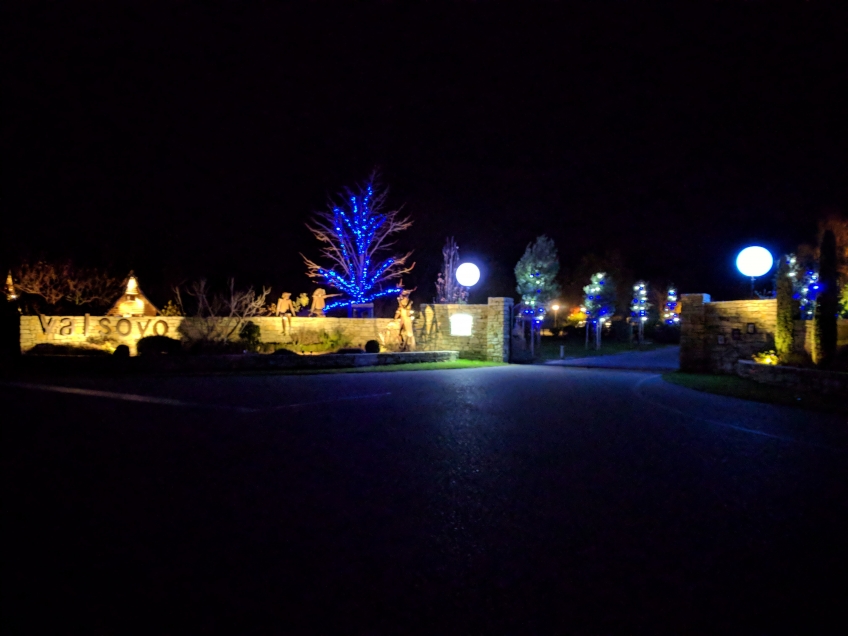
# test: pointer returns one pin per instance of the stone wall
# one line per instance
(488, 339)
(715, 335)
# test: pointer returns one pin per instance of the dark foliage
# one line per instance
(351, 350)
(828, 299)
(664, 334)
(250, 334)
(122, 351)
(159, 345)
(372, 346)
(784, 336)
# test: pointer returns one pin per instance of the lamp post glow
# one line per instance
(754, 261)
(556, 315)
(467, 274)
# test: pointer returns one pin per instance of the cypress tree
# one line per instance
(784, 336)
(827, 303)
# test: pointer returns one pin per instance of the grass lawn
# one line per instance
(576, 348)
(734, 386)
(383, 368)
(389, 368)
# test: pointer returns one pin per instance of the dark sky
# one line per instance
(182, 139)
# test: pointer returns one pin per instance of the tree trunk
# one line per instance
(784, 335)
(827, 303)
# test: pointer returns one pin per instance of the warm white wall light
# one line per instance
(461, 324)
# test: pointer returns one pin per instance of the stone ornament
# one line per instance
(286, 308)
(319, 296)
(404, 316)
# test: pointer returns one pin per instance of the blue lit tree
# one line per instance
(639, 308)
(599, 303)
(357, 236)
(535, 275)
(671, 315)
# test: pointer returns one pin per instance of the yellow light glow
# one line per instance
(766, 357)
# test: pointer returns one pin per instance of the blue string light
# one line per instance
(670, 314)
(355, 229)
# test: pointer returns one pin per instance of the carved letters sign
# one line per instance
(125, 327)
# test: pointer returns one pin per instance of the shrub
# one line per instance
(122, 351)
(372, 346)
(765, 357)
(333, 341)
(350, 350)
(251, 334)
(159, 345)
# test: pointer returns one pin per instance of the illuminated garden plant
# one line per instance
(357, 236)
(670, 314)
(599, 302)
(639, 307)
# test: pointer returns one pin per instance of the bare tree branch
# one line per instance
(62, 281)
(218, 316)
(356, 234)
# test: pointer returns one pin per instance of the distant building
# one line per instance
(132, 303)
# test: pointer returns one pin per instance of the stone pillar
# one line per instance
(694, 353)
(498, 329)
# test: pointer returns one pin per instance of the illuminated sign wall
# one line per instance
(461, 324)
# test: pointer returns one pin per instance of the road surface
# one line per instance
(520, 499)
(662, 360)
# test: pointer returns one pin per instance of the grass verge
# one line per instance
(734, 386)
(390, 368)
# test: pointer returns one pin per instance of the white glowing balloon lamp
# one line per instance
(467, 274)
(754, 261)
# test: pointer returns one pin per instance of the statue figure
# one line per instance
(404, 316)
(318, 304)
(286, 308)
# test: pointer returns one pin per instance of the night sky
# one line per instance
(182, 140)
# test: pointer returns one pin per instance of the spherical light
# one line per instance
(555, 307)
(754, 261)
(467, 274)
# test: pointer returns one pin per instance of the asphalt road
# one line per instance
(661, 360)
(521, 499)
